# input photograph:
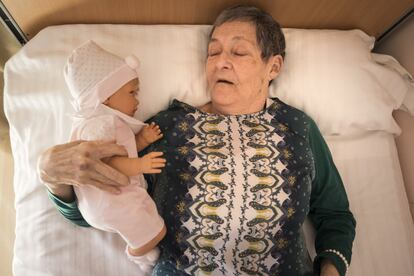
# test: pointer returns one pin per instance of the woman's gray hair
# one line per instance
(269, 35)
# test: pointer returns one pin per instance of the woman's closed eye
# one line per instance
(213, 53)
(240, 54)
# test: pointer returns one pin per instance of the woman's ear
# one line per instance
(276, 63)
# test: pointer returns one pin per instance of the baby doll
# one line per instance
(104, 88)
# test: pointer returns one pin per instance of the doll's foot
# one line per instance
(147, 261)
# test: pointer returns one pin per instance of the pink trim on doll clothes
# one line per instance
(132, 214)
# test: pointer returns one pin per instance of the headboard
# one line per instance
(372, 16)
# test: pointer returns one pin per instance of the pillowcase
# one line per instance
(392, 64)
(333, 77)
(329, 74)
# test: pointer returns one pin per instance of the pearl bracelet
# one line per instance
(339, 254)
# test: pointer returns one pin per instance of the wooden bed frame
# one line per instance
(374, 17)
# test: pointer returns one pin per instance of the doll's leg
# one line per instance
(147, 255)
(148, 246)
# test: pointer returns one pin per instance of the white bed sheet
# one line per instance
(37, 104)
(370, 169)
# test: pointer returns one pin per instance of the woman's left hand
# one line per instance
(328, 269)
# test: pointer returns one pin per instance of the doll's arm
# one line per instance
(150, 163)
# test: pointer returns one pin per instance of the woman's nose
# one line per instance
(224, 62)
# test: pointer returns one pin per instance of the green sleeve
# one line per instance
(69, 210)
(329, 207)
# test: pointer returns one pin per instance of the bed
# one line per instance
(356, 92)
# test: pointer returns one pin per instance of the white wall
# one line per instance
(400, 44)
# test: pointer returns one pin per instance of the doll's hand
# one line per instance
(150, 133)
(151, 163)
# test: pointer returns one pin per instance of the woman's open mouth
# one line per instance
(224, 81)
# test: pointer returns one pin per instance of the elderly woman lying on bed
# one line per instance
(242, 174)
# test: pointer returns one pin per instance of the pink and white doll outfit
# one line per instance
(92, 75)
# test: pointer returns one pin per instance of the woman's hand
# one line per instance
(80, 163)
(328, 269)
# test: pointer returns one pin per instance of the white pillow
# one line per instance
(332, 76)
(329, 74)
(392, 63)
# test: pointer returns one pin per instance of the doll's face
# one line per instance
(124, 99)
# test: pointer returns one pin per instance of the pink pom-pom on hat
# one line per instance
(94, 74)
(133, 62)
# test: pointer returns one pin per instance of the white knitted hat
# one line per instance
(93, 74)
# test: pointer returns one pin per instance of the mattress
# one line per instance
(37, 106)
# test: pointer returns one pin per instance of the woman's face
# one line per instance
(237, 77)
